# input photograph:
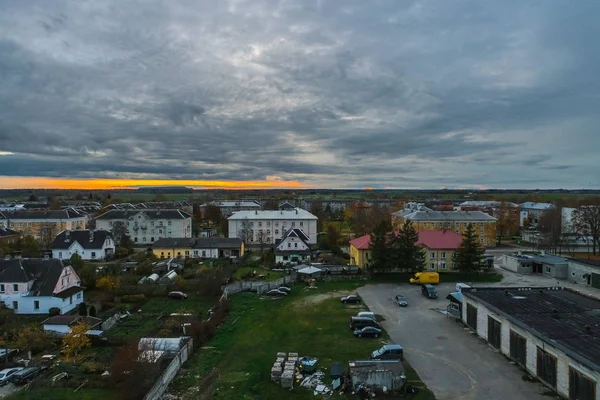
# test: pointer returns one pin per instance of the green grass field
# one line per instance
(62, 394)
(310, 322)
(269, 275)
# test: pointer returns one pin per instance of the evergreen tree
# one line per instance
(412, 257)
(469, 256)
(394, 245)
(380, 253)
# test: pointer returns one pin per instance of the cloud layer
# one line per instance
(329, 93)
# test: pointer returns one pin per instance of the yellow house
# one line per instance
(457, 221)
(43, 225)
(211, 247)
(439, 247)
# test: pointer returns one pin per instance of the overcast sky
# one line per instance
(397, 93)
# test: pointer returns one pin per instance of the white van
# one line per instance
(366, 314)
(460, 286)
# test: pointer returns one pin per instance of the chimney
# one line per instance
(255, 212)
(67, 236)
(296, 211)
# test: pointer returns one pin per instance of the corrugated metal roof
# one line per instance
(296, 213)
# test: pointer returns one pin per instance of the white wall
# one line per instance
(27, 304)
(179, 228)
(86, 254)
(292, 244)
(563, 362)
(277, 228)
(577, 270)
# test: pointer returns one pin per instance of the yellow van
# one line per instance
(421, 278)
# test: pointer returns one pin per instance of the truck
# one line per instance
(421, 278)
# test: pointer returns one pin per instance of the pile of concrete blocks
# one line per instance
(287, 379)
(284, 369)
(277, 368)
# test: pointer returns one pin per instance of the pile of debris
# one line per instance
(284, 369)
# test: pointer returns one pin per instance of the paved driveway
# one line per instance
(451, 361)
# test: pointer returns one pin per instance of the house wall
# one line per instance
(143, 230)
(439, 260)
(359, 257)
(558, 271)
(563, 361)
(26, 304)
(274, 229)
(213, 252)
(67, 279)
(34, 227)
(512, 264)
(486, 231)
(292, 243)
(576, 272)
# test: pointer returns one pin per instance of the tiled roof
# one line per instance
(41, 214)
(431, 239)
(296, 213)
(44, 273)
(82, 237)
(450, 216)
(152, 214)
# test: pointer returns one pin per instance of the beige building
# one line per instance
(43, 224)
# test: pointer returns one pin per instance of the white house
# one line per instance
(90, 245)
(147, 226)
(534, 211)
(63, 324)
(271, 225)
(34, 286)
(293, 248)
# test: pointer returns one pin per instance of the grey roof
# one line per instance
(485, 203)
(541, 259)
(42, 214)
(296, 232)
(65, 239)
(536, 206)
(198, 243)
(296, 213)
(5, 232)
(450, 216)
(558, 316)
(235, 203)
(44, 273)
(152, 214)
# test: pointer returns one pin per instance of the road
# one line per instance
(450, 360)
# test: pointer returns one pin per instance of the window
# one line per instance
(71, 300)
(285, 258)
(301, 223)
(252, 223)
(109, 223)
(440, 225)
(152, 239)
(187, 253)
(78, 296)
(546, 367)
(135, 239)
(443, 254)
(518, 348)
(453, 254)
(152, 223)
(432, 266)
(162, 254)
(432, 255)
(456, 225)
(580, 386)
(268, 223)
(203, 253)
(144, 239)
(178, 254)
(296, 245)
(1, 288)
(277, 231)
(548, 269)
(293, 223)
(60, 254)
(195, 252)
(36, 305)
(93, 254)
(494, 332)
(481, 233)
(481, 224)
(169, 223)
(472, 316)
(268, 231)
(15, 287)
(289, 245)
(443, 265)
(15, 305)
(160, 231)
(276, 223)
(260, 224)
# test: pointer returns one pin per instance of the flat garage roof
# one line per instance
(561, 317)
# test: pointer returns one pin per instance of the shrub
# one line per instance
(54, 311)
(133, 298)
(107, 282)
(91, 367)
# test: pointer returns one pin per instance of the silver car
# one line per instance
(6, 373)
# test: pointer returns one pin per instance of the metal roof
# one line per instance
(450, 216)
(296, 213)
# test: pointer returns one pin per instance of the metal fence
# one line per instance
(163, 381)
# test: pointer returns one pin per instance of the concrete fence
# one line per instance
(257, 286)
(163, 381)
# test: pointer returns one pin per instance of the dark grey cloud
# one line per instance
(340, 94)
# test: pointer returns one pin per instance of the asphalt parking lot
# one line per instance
(450, 360)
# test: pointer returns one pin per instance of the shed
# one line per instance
(378, 375)
(169, 277)
(455, 306)
(168, 345)
(152, 278)
(311, 271)
(62, 324)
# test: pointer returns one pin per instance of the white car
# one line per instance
(6, 373)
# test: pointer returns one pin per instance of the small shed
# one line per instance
(310, 271)
(169, 277)
(62, 324)
(378, 375)
(170, 346)
(454, 308)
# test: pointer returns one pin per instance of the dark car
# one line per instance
(284, 289)
(25, 375)
(368, 331)
(357, 323)
(353, 298)
(276, 293)
(5, 374)
(177, 296)
(429, 291)
(401, 300)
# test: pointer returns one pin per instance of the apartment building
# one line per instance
(43, 224)
(147, 226)
(269, 226)
(229, 207)
(457, 221)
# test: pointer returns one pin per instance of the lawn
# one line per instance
(241, 272)
(239, 358)
(62, 394)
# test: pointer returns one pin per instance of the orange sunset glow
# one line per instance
(13, 182)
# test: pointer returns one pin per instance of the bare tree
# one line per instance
(263, 239)
(550, 225)
(245, 232)
(507, 221)
(118, 231)
(586, 221)
(47, 234)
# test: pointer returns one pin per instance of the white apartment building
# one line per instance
(272, 225)
(147, 226)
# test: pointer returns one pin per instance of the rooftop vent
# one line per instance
(587, 328)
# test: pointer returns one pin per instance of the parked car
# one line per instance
(353, 298)
(368, 331)
(362, 322)
(429, 291)
(461, 286)
(401, 300)
(284, 289)
(177, 296)
(25, 375)
(389, 352)
(276, 293)
(367, 314)
(6, 373)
